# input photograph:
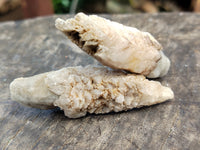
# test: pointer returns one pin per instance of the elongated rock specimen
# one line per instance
(78, 90)
(116, 45)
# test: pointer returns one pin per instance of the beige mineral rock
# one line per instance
(116, 45)
(33, 91)
(78, 90)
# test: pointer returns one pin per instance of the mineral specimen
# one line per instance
(79, 90)
(116, 45)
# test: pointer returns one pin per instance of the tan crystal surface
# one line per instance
(78, 90)
(116, 45)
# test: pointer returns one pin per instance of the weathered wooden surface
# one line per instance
(35, 46)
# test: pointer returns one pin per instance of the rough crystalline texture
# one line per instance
(79, 90)
(116, 45)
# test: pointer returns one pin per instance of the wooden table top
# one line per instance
(35, 46)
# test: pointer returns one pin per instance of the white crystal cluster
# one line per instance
(82, 90)
(79, 90)
(116, 45)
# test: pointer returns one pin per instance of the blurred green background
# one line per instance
(122, 6)
(22, 9)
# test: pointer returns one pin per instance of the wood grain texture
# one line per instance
(34, 46)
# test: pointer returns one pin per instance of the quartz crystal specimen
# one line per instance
(78, 90)
(116, 45)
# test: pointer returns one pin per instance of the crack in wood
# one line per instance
(38, 140)
(71, 139)
(12, 138)
(19, 131)
(107, 134)
(41, 136)
(133, 143)
(170, 130)
(13, 114)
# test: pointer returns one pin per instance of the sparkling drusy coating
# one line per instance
(116, 45)
(79, 90)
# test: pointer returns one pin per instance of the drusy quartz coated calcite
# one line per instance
(78, 90)
(116, 45)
